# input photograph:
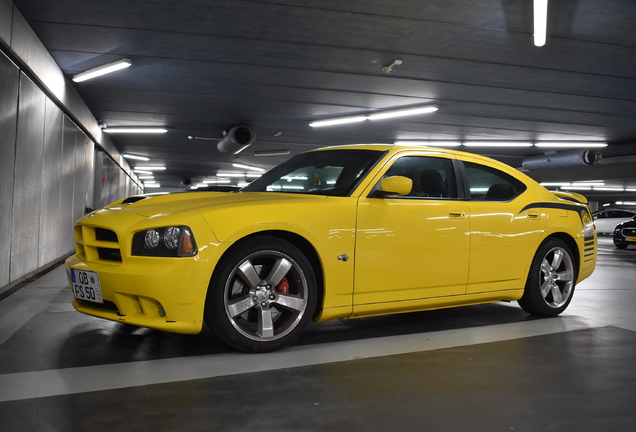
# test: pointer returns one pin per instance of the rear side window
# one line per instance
(432, 177)
(490, 184)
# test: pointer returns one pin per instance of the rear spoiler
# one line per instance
(571, 196)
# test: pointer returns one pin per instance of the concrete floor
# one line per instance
(476, 368)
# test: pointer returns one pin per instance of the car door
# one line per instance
(503, 237)
(415, 246)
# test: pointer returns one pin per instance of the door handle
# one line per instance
(534, 215)
(456, 214)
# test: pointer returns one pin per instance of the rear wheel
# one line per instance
(620, 246)
(551, 280)
(262, 296)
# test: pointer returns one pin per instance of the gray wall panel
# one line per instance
(6, 16)
(51, 185)
(27, 187)
(66, 179)
(9, 80)
(80, 192)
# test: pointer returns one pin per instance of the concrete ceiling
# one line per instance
(200, 67)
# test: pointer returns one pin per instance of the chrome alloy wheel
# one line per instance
(265, 296)
(556, 277)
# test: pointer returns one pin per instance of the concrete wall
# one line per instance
(51, 154)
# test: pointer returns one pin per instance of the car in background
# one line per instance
(625, 234)
(339, 232)
(606, 220)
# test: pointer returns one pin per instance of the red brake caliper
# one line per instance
(283, 286)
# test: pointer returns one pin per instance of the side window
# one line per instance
(490, 184)
(432, 177)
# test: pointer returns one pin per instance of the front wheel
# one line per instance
(551, 280)
(620, 246)
(262, 295)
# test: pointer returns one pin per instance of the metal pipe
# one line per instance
(564, 159)
(236, 140)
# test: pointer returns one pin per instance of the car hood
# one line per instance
(173, 203)
(629, 223)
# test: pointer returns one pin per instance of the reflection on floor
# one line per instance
(478, 368)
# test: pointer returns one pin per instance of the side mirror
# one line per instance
(397, 185)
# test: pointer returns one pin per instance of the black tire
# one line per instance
(551, 280)
(262, 295)
(621, 246)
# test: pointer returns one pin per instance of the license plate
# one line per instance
(630, 239)
(85, 285)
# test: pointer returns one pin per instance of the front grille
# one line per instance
(103, 234)
(629, 232)
(108, 305)
(109, 254)
(97, 244)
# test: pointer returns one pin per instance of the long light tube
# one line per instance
(565, 144)
(253, 168)
(402, 113)
(375, 116)
(135, 130)
(102, 70)
(338, 121)
(429, 143)
(497, 144)
(136, 157)
(540, 22)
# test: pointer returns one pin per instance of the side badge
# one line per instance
(343, 257)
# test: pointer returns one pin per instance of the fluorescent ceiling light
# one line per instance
(146, 177)
(588, 184)
(242, 184)
(253, 168)
(609, 189)
(252, 175)
(577, 188)
(630, 190)
(271, 153)
(555, 184)
(497, 144)
(102, 70)
(140, 130)
(138, 171)
(154, 185)
(402, 112)
(540, 22)
(429, 143)
(149, 182)
(130, 156)
(338, 121)
(375, 116)
(150, 168)
(569, 144)
(219, 181)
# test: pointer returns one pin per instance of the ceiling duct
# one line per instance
(564, 159)
(237, 139)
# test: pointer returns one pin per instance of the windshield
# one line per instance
(326, 172)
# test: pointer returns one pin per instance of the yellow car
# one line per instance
(340, 232)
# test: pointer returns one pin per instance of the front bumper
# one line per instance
(164, 293)
(625, 236)
(160, 293)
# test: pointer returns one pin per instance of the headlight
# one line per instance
(174, 241)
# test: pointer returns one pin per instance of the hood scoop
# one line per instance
(133, 199)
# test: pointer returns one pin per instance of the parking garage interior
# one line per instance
(244, 83)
